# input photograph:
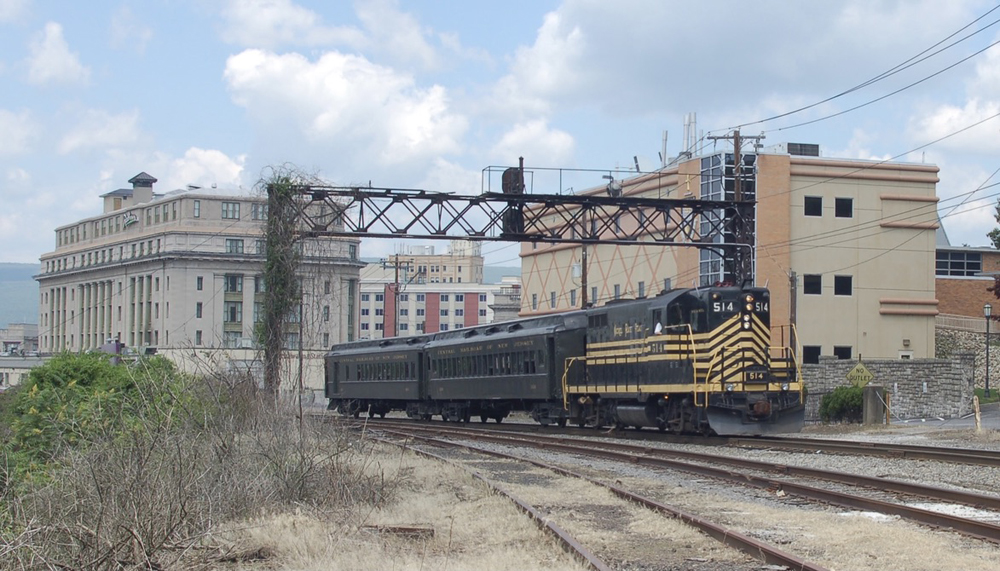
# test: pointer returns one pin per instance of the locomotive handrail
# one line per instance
(690, 338)
(565, 385)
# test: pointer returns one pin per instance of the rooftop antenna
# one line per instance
(663, 151)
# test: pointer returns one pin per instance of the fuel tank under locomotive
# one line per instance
(745, 414)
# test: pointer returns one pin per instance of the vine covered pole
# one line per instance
(280, 271)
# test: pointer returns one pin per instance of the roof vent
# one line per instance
(803, 149)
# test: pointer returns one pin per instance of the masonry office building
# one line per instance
(846, 247)
(180, 273)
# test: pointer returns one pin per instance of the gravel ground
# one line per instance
(837, 538)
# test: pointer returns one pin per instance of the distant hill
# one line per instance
(19, 292)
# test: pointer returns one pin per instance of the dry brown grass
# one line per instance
(472, 528)
(154, 496)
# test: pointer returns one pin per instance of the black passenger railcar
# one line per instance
(489, 371)
(376, 376)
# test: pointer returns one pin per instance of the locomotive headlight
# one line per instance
(748, 297)
(746, 325)
(749, 307)
(730, 387)
(784, 386)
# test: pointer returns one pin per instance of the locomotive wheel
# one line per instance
(499, 419)
(483, 418)
(561, 422)
(381, 415)
(357, 413)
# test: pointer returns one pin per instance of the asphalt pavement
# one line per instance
(989, 419)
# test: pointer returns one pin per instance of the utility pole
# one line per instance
(397, 265)
(395, 300)
(583, 267)
(793, 307)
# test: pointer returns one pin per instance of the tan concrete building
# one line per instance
(180, 273)
(846, 247)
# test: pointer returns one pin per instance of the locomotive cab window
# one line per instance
(687, 310)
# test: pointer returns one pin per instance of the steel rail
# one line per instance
(973, 499)
(569, 543)
(744, 543)
(971, 456)
(982, 530)
(884, 449)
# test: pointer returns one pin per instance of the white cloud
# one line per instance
(17, 184)
(397, 34)
(204, 167)
(18, 131)
(273, 23)
(345, 103)
(947, 119)
(535, 139)
(631, 57)
(447, 176)
(18, 175)
(12, 10)
(553, 63)
(128, 31)
(99, 129)
(51, 61)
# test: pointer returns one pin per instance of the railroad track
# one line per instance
(706, 465)
(768, 553)
(883, 449)
(972, 456)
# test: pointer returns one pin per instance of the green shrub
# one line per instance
(844, 404)
(136, 466)
(74, 400)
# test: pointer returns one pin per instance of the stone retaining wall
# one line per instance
(950, 342)
(918, 388)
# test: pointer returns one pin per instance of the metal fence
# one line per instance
(964, 323)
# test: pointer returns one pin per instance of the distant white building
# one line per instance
(418, 291)
(181, 273)
(19, 338)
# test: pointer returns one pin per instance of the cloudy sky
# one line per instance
(425, 94)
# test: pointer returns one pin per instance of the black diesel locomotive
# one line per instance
(688, 360)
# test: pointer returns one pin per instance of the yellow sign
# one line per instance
(860, 375)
